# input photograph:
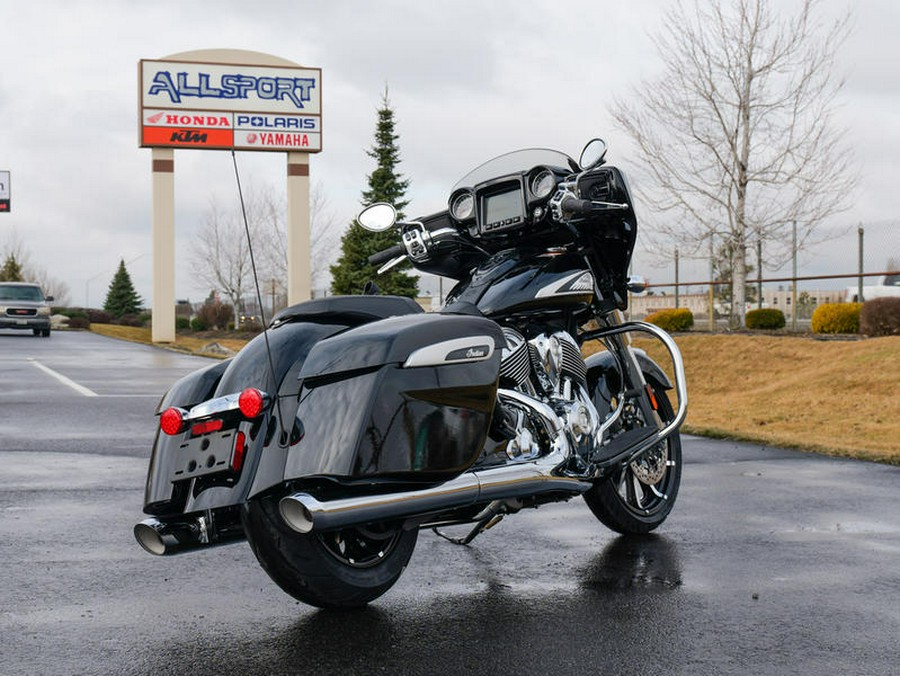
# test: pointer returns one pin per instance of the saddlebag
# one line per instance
(406, 398)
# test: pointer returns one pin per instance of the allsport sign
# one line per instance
(222, 106)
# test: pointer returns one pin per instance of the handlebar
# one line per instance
(387, 254)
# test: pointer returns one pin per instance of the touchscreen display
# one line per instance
(502, 206)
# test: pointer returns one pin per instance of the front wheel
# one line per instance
(638, 497)
(336, 569)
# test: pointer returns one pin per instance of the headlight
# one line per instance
(543, 183)
(44, 310)
(462, 206)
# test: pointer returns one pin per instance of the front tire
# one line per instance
(336, 569)
(638, 497)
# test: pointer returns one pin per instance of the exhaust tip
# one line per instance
(149, 539)
(296, 514)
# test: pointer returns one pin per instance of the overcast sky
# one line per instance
(468, 80)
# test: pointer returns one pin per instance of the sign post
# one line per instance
(228, 100)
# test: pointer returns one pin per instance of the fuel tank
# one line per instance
(516, 281)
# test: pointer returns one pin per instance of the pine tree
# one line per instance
(386, 184)
(121, 298)
(11, 270)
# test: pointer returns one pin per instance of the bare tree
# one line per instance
(324, 237)
(223, 255)
(736, 138)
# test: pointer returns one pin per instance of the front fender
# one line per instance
(605, 379)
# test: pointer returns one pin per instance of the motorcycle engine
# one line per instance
(550, 368)
(547, 365)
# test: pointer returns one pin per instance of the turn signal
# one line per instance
(251, 402)
(240, 445)
(171, 421)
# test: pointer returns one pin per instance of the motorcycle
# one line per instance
(354, 422)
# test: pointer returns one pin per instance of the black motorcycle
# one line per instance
(353, 422)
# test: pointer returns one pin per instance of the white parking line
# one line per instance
(81, 389)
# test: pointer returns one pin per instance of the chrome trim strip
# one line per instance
(438, 353)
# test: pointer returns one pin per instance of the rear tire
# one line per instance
(337, 569)
(638, 497)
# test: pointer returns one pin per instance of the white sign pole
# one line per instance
(298, 226)
(163, 324)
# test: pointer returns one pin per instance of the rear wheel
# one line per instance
(337, 569)
(638, 497)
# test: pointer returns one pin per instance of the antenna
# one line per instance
(262, 310)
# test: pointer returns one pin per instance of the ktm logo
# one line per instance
(188, 136)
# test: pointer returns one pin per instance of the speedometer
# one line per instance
(462, 206)
(542, 183)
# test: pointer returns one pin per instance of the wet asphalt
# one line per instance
(772, 562)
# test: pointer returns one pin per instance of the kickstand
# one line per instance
(489, 517)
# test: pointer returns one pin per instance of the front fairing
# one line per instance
(520, 280)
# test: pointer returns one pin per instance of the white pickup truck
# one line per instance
(888, 287)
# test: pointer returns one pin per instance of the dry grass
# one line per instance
(833, 396)
(194, 344)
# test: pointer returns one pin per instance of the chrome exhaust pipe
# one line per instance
(304, 513)
(165, 538)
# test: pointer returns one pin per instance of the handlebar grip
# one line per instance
(387, 254)
(576, 206)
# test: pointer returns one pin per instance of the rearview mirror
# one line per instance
(377, 217)
(636, 284)
(593, 154)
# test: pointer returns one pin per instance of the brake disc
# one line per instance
(650, 468)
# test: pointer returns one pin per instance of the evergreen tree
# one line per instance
(11, 270)
(121, 298)
(386, 184)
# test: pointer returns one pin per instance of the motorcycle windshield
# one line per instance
(516, 162)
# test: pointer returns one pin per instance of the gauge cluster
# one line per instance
(506, 204)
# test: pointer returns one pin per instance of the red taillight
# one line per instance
(240, 445)
(251, 402)
(206, 427)
(171, 421)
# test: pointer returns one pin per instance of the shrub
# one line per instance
(182, 324)
(675, 319)
(72, 312)
(99, 316)
(880, 317)
(130, 319)
(214, 316)
(765, 318)
(836, 318)
(198, 324)
(79, 322)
